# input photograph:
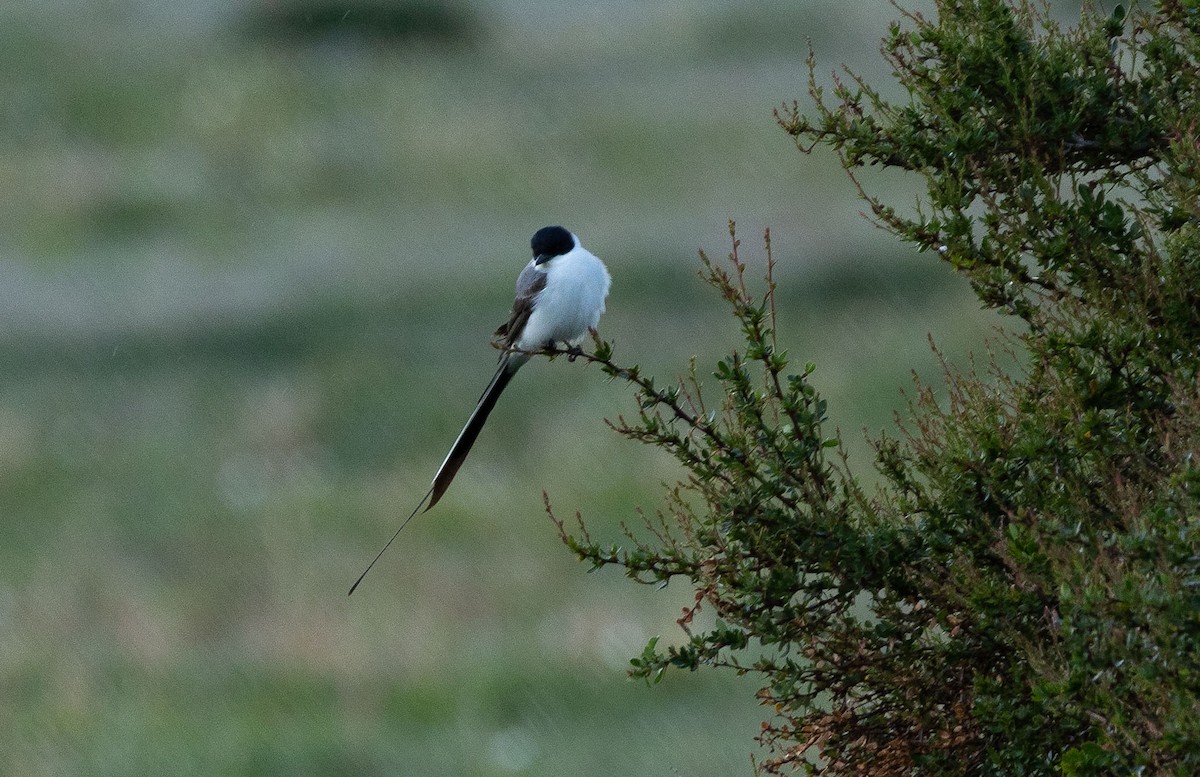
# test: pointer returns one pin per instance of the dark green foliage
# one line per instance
(1022, 595)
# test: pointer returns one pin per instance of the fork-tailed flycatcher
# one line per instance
(560, 296)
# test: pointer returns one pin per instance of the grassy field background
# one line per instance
(251, 261)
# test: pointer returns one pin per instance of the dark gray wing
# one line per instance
(530, 283)
(530, 276)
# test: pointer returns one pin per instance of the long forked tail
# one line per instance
(458, 451)
(466, 438)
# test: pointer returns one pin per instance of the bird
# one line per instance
(560, 297)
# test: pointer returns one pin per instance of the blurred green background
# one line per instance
(252, 254)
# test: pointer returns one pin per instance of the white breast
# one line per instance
(576, 285)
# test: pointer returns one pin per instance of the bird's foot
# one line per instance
(574, 352)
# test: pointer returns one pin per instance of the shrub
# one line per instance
(1022, 593)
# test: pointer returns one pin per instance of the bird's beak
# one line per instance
(542, 258)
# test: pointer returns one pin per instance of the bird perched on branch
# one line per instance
(560, 297)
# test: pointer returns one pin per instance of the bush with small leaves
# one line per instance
(1022, 594)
